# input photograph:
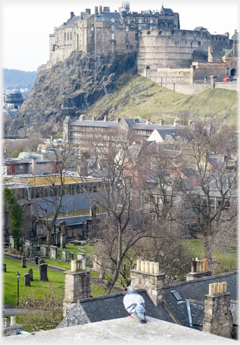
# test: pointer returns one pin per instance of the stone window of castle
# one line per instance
(139, 20)
(139, 28)
(92, 28)
(127, 28)
(128, 21)
(112, 27)
(112, 36)
(199, 44)
(64, 36)
(151, 21)
(68, 36)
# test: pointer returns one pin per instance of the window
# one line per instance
(92, 28)
(112, 27)
(139, 20)
(127, 28)
(128, 21)
(151, 21)
(139, 28)
(64, 36)
(199, 44)
(126, 36)
(68, 36)
(112, 36)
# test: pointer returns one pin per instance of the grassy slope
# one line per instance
(139, 96)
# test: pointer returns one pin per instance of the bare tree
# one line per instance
(206, 182)
(120, 165)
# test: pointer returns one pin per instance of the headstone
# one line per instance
(27, 280)
(43, 272)
(70, 256)
(28, 252)
(44, 251)
(62, 240)
(41, 261)
(36, 260)
(80, 256)
(31, 251)
(53, 252)
(88, 261)
(4, 268)
(24, 262)
(30, 272)
(64, 256)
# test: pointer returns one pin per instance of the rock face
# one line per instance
(69, 89)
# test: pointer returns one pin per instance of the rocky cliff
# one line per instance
(69, 88)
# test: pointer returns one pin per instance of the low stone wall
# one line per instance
(228, 86)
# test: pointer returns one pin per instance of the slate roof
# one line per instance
(196, 290)
(70, 22)
(109, 307)
(107, 16)
(217, 54)
(89, 123)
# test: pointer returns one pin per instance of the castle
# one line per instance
(182, 60)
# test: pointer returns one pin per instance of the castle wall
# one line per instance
(171, 48)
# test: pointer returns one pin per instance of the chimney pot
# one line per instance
(105, 118)
(142, 266)
(156, 267)
(138, 265)
(152, 267)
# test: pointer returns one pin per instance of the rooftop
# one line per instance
(121, 330)
(48, 180)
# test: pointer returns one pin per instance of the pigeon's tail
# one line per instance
(140, 311)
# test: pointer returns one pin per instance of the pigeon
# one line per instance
(135, 304)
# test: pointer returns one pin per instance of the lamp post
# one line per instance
(18, 276)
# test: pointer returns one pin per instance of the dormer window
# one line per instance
(127, 28)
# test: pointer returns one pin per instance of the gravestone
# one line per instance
(24, 262)
(27, 280)
(62, 240)
(41, 262)
(70, 256)
(30, 272)
(53, 252)
(28, 252)
(80, 256)
(4, 268)
(36, 260)
(88, 261)
(43, 272)
(64, 256)
(44, 251)
(11, 242)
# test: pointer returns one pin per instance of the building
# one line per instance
(191, 304)
(81, 131)
(181, 60)
(13, 100)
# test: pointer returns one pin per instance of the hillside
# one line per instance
(141, 97)
(87, 84)
(13, 78)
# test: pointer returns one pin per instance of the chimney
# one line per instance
(100, 9)
(96, 10)
(175, 123)
(88, 10)
(118, 119)
(146, 276)
(217, 318)
(148, 122)
(82, 118)
(106, 9)
(77, 284)
(199, 269)
(161, 122)
(105, 118)
(71, 14)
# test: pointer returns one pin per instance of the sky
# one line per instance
(26, 24)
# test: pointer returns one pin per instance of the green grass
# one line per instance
(227, 260)
(9, 280)
(139, 96)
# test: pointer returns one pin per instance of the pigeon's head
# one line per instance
(131, 289)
